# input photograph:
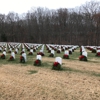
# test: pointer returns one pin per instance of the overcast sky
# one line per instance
(22, 6)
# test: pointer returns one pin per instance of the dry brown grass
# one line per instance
(16, 82)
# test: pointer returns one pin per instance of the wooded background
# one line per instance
(76, 26)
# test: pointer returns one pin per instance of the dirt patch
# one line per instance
(18, 83)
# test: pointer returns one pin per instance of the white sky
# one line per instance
(22, 6)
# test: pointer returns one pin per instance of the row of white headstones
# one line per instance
(58, 59)
(96, 48)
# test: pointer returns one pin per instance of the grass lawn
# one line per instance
(78, 80)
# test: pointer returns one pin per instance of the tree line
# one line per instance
(80, 25)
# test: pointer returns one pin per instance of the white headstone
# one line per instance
(4, 53)
(5, 49)
(98, 50)
(24, 55)
(31, 50)
(23, 50)
(39, 57)
(67, 52)
(84, 53)
(10, 49)
(59, 50)
(58, 59)
(70, 50)
(13, 54)
(52, 51)
(16, 50)
(83, 50)
(82, 47)
(0, 48)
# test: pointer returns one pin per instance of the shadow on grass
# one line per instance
(46, 64)
(93, 61)
(96, 74)
(80, 71)
(71, 70)
(88, 60)
(32, 71)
